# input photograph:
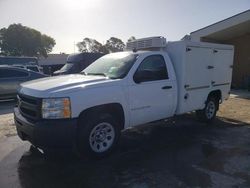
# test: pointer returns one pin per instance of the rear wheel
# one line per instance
(208, 114)
(98, 135)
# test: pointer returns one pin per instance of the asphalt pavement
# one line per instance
(180, 153)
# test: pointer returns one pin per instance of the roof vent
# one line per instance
(146, 43)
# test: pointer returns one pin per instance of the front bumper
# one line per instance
(47, 134)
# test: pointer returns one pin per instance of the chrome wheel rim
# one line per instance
(101, 137)
(210, 110)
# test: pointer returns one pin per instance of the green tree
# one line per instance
(114, 45)
(19, 40)
(91, 45)
(132, 38)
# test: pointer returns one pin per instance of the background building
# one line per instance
(236, 31)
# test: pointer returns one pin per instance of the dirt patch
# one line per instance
(7, 126)
(236, 110)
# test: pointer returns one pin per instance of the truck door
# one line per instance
(151, 93)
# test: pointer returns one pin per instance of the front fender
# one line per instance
(90, 97)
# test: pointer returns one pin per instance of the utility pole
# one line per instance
(74, 47)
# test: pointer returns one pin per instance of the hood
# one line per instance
(46, 87)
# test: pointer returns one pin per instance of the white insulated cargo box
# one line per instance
(200, 68)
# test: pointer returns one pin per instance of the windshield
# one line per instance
(114, 66)
(67, 67)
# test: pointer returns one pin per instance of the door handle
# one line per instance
(166, 87)
(210, 67)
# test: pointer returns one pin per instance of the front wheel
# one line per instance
(208, 114)
(98, 135)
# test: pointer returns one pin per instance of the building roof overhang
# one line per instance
(227, 29)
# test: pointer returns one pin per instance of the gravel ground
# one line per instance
(236, 109)
(7, 127)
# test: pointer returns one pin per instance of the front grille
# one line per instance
(29, 107)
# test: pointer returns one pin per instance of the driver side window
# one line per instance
(152, 68)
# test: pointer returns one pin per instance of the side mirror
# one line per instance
(137, 78)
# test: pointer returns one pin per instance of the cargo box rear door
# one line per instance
(198, 77)
(198, 74)
(222, 71)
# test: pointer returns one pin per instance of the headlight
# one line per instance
(56, 108)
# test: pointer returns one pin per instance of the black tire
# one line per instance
(208, 114)
(88, 140)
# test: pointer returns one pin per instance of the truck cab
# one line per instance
(152, 88)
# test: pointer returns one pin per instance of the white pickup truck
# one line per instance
(152, 80)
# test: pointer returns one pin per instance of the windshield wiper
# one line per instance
(97, 74)
(84, 73)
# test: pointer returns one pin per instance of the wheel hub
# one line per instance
(101, 137)
(210, 109)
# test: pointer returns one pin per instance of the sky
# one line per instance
(70, 21)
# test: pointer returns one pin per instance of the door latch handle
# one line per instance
(166, 87)
(210, 67)
(213, 82)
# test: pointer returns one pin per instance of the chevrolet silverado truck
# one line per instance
(151, 80)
